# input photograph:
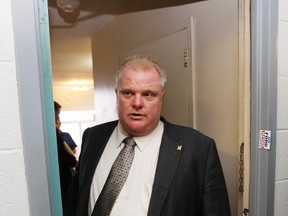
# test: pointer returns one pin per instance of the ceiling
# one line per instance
(70, 38)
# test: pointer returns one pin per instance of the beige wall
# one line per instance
(13, 190)
(216, 52)
(281, 184)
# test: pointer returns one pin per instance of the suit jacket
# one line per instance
(188, 181)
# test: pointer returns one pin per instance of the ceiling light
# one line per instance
(68, 5)
(75, 88)
(80, 88)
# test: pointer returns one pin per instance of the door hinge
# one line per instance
(186, 55)
(245, 211)
(241, 169)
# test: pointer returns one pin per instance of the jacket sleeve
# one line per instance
(215, 196)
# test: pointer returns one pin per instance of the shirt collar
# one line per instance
(142, 141)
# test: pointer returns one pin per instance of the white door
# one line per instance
(184, 103)
(177, 107)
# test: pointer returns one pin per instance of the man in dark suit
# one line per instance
(176, 170)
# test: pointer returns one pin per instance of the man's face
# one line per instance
(139, 100)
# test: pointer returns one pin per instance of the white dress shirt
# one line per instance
(135, 195)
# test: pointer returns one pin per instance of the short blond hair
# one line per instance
(141, 62)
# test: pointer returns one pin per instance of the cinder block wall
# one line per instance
(13, 187)
(281, 184)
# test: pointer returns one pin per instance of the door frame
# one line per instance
(264, 31)
(34, 74)
(244, 105)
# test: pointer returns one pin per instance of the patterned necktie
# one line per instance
(116, 179)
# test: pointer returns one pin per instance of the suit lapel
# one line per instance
(170, 152)
(95, 143)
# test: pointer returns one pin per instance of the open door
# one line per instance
(173, 50)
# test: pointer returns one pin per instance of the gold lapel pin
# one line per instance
(179, 148)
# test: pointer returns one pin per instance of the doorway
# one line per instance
(263, 200)
(206, 103)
